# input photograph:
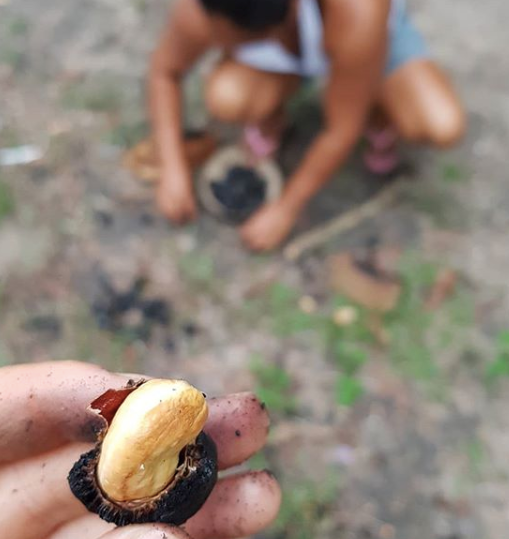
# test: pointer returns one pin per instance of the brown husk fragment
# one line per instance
(192, 484)
(109, 402)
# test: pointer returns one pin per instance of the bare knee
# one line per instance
(442, 127)
(446, 127)
(239, 94)
(225, 95)
(424, 106)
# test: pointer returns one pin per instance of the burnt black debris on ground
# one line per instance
(47, 324)
(129, 312)
(104, 218)
(156, 310)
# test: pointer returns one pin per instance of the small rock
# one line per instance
(104, 218)
(308, 304)
(170, 345)
(147, 219)
(190, 329)
(345, 316)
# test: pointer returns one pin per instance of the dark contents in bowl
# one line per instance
(240, 193)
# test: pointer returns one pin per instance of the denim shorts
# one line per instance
(406, 42)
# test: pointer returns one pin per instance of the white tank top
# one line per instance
(270, 55)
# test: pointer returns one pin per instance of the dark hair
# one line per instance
(250, 14)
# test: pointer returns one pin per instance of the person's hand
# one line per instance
(269, 226)
(45, 427)
(175, 200)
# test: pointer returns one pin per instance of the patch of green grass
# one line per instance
(348, 348)
(7, 202)
(348, 390)
(349, 356)
(5, 358)
(408, 325)
(304, 507)
(12, 48)
(279, 305)
(100, 95)
(439, 203)
(460, 310)
(344, 345)
(197, 267)
(10, 137)
(476, 456)
(499, 367)
(88, 343)
(453, 173)
(273, 386)
(127, 134)
(284, 312)
(12, 57)
(259, 462)
(111, 351)
(140, 5)
(358, 331)
(419, 336)
(17, 26)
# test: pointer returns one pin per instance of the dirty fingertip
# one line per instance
(239, 425)
(147, 531)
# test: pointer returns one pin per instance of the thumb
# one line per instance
(147, 531)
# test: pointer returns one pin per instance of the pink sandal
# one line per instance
(381, 157)
(259, 145)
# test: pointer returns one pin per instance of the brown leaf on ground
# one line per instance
(142, 160)
(364, 283)
(375, 324)
(442, 289)
(387, 259)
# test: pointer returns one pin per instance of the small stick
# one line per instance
(339, 225)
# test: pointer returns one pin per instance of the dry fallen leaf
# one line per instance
(442, 289)
(142, 160)
(364, 284)
(375, 324)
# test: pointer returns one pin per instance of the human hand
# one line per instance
(175, 199)
(269, 226)
(45, 427)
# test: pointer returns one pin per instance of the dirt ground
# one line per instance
(404, 433)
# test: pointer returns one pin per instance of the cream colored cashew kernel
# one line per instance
(140, 452)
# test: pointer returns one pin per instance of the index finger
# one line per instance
(44, 405)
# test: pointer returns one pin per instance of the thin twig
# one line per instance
(339, 225)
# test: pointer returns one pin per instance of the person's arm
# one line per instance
(356, 41)
(184, 40)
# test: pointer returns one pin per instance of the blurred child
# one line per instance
(380, 82)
